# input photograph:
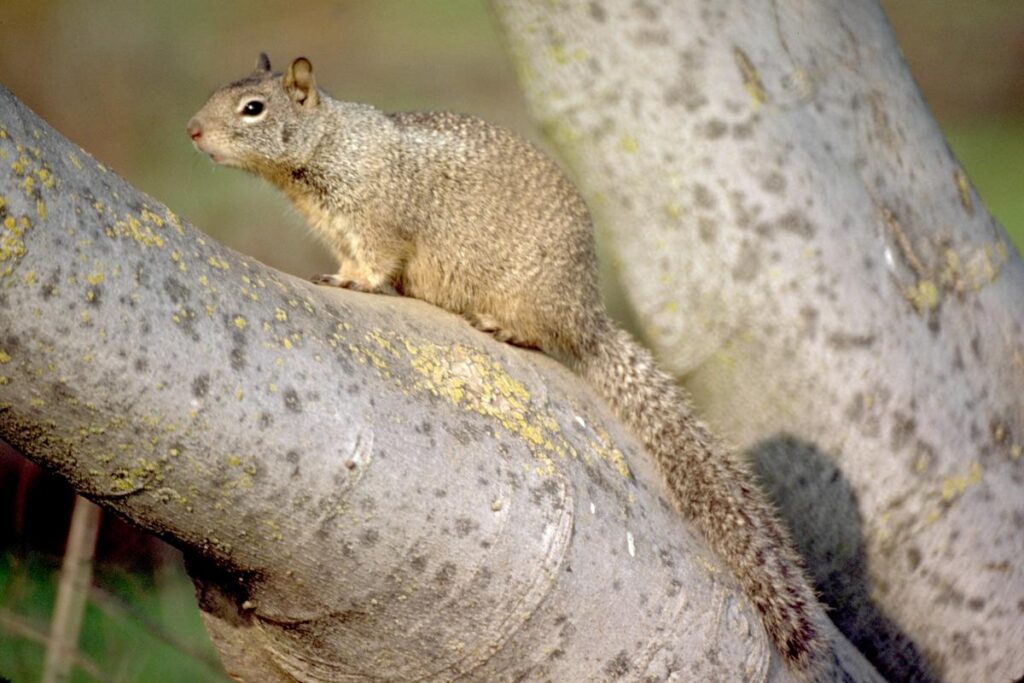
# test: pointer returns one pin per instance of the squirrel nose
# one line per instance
(194, 130)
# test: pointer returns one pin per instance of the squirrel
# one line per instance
(467, 216)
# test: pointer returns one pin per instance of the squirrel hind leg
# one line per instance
(493, 327)
(358, 285)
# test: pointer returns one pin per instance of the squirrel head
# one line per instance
(263, 121)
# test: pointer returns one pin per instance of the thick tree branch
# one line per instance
(365, 486)
(799, 244)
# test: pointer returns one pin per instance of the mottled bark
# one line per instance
(366, 487)
(799, 245)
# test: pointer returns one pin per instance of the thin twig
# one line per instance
(18, 626)
(75, 579)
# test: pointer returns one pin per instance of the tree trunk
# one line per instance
(799, 245)
(366, 487)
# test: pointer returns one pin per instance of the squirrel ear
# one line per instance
(300, 84)
(263, 63)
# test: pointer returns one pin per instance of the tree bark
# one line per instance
(366, 487)
(800, 246)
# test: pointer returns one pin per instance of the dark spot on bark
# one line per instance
(237, 357)
(93, 295)
(141, 365)
(747, 264)
(617, 585)
(287, 131)
(201, 385)
(370, 537)
(597, 12)
(445, 575)
(646, 10)
(796, 223)
(743, 131)
(292, 401)
(464, 526)
(903, 429)
(962, 647)
(706, 229)
(266, 419)
(976, 347)
(958, 360)
(176, 291)
(976, 604)
(141, 275)
(703, 197)
(440, 493)
(292, 456)
(913, 557)
(714, 129)
(774, 182)
(855, 409)
(49, 288)
(842, 341)
(948, 595)
(618, 666)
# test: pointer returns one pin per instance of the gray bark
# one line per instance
(366, 488)
(799, 245)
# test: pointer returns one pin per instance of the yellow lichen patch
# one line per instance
(751, 80)
(673, 210)
(924, 295)
(5, 358)
(132, 228)
(94, 278)
(148, 216)
(470, 381)
(12, 243)
(240, 322)
(629, 144)
(220, 264)
(377, 338)
(174, 221)
(972, 269)
(46, 178)
(41, 209)
(73, 158)
(280, 315)
(963, 190)
(956, 485)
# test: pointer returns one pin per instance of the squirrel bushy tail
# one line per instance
(714, 488)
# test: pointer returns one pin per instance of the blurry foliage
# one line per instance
(122, 80)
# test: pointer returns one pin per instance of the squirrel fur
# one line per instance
(463, 214)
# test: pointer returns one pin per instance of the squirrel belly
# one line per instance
(469, 217)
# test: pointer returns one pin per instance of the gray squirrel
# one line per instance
(465, 215)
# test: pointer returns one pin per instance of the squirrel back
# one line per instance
(467, 216)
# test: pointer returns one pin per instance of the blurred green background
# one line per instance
(122, 79)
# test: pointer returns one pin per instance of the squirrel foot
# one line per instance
(486, 323)
(346, 283)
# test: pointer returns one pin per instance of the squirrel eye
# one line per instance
(252, 108)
